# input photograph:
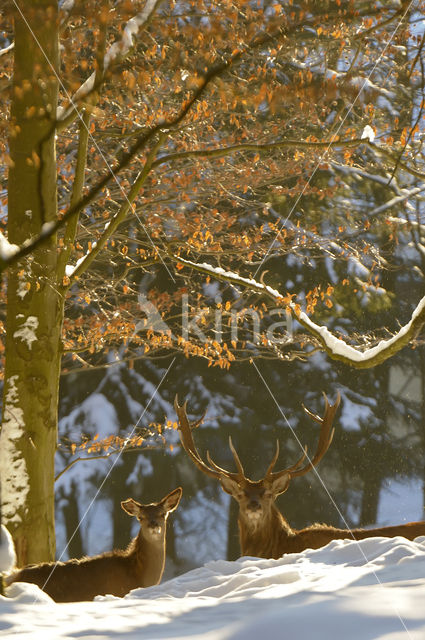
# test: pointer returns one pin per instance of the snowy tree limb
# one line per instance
(336, 348)
(6, 49)
(117, 51)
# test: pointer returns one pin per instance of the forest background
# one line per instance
(190, 190)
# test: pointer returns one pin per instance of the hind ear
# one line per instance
(171, 502)
(131, 507)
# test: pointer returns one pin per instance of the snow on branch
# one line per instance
(117, 50)
(65, 8)
(336, 348)
(402, 222)
(7, 250)
(6, 49)
(397, 200)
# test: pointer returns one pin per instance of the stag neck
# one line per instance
(265, 539)
(277, 520)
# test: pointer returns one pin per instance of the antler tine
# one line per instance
(316, 417)
(198, 422)
(289, 470)
(274, 460)
(186, 439)
(298, 463)
(238, 462)
(234, 476)
(325, 437)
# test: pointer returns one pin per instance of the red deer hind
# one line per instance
(263, 531)
(113, 572)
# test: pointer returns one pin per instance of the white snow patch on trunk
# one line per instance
(27, 331)
(7, 250)
(24, 279)
(7, 551)
(22, 289)
(15, 481)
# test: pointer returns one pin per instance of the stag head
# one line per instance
(256, 498)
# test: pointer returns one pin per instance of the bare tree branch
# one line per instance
(106, 455)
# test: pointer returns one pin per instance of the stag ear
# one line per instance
(279, 485)
(171, 502)
(131, 507)
(229, 485)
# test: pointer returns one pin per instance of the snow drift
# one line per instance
(368, 590)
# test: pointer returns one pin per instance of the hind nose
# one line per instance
(154, 524)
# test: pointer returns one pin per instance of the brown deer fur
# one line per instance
(113, 572)
(270, 535)
(263, 531)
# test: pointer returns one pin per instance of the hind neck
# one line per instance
(149, 557)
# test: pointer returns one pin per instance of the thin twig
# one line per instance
(106, 455)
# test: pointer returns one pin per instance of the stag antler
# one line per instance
(186, 438)
(325, 439)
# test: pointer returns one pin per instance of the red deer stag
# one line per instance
(263, 531)
(113, 572)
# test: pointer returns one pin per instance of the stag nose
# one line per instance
(254, 505)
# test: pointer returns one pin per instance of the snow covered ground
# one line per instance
(347, 590)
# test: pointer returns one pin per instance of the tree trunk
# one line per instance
(422, 422)
(121, 524)
(233, 545)
(34, 305)
(370, 499)
(72, 519)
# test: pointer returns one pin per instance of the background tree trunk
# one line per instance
(370, 498)
(34, 305)
(233, 545)
(72, 519)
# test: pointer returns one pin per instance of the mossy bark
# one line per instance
(34, 303)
